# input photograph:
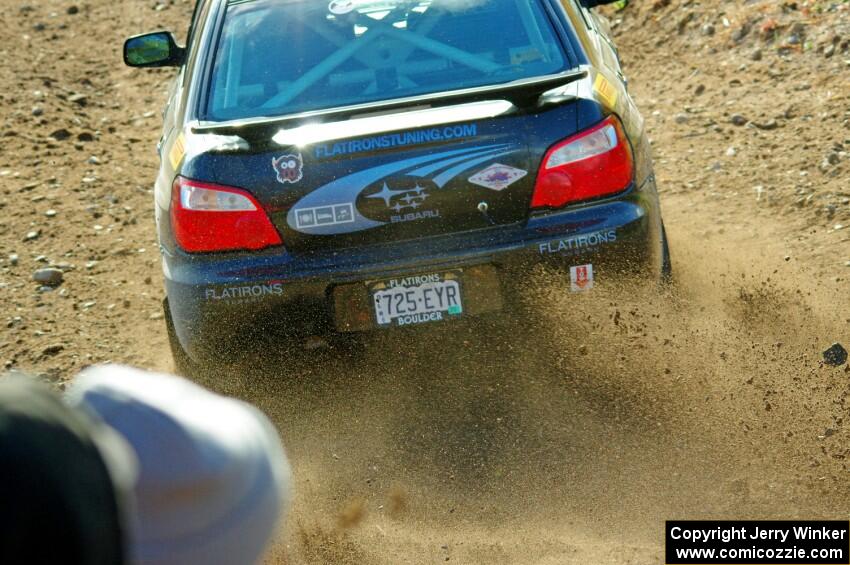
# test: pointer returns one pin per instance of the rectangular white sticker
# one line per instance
(324, 215)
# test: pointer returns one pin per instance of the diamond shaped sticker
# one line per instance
(497, 177)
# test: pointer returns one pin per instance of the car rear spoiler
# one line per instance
(522, 93)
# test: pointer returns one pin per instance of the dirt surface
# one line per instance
(567, 434)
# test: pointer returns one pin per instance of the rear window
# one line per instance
(277, 58)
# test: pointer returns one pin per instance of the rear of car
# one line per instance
(376, 163)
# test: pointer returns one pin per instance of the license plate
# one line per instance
(418, 299)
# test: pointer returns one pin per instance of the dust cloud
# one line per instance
(568, 432)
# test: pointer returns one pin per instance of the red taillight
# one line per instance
(594, 163)
(209, 217)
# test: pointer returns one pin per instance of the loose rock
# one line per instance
(61, 134)
(52, 350)
(49, 277)
(835, 356)
(768, 125)
(739, 34)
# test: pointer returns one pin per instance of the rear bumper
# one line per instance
(214, 298)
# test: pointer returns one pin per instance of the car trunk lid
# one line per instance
(347, 184)
(426, 182)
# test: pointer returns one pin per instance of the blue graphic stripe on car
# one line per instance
(441, 179)
(427, 170)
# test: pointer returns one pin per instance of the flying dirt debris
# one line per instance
(567, 433)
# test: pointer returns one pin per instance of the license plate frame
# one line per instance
(445, 287)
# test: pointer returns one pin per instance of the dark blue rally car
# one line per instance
(359, 164)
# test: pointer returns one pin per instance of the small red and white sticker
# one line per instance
(497, 177)
(581, 278)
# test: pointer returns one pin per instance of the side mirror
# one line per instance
(157, 49)
(593, 3)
